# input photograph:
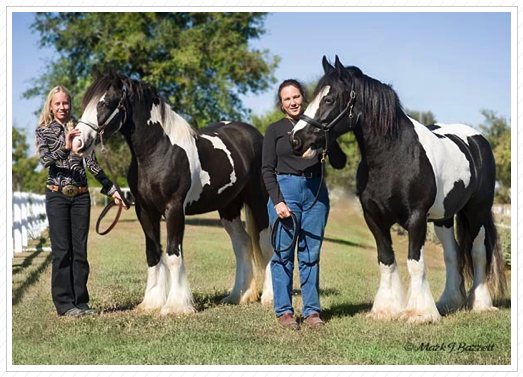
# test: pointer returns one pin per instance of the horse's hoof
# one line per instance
(382, 315)
(417, 317)
(187, 309)
(267, 299)
(448, 308)
(484, 309)
(232, 299)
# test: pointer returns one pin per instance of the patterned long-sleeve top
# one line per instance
(66, 168)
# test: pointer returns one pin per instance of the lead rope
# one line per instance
(127, 204)
(293, 216)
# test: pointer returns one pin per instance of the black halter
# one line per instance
(326, 128)
(121, 107)
(100, 129)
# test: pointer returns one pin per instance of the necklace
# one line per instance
(293, 122)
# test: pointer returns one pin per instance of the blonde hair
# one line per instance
(47, 117)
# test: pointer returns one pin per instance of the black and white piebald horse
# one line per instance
(177, 171)
(410, 174)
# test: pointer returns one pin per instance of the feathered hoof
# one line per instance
(148, 307)
(382, 315)
(177, 310)
(267, 299)
(237, 298)
(417, 317)
(481, 308)
(445, 308)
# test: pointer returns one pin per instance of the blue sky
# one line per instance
(453, 64)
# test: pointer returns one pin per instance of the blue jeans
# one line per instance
(299, 193)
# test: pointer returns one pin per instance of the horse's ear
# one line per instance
(339, 67)
(95, 72)
(327, 67)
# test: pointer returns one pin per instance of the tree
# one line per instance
(424, 117)
(200, 61)
(25, 174)
(497, 131)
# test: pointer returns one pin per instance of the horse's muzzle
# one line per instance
(296, 143)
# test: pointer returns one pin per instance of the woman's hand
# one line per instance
(282, 210)
(69, 138)
(118, 199)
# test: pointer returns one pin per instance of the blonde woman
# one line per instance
(68, 203)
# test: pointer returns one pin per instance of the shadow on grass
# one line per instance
(346, 243)
(345, 310)
(31, 279)
(504, 303)
(29, 259)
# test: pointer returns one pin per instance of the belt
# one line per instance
(304, 174)
(69, 190)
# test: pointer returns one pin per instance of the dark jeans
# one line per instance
(68, 229)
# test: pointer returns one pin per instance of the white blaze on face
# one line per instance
(312, 108)
(90, 116)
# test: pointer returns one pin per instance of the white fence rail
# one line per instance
(29, 218)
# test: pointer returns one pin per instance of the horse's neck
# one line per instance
(153, 135)
(378, 150)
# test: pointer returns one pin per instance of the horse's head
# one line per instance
(334, 110)
(105, 107)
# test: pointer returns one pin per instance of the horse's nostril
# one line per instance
(296, 143)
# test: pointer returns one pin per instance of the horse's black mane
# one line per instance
(381, 103)
(102, 83)
(137, 89)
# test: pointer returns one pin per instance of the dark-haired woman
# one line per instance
(292, 183)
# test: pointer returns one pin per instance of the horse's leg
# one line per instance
(156, 289)
(390, 298)
(453, 297)
(179, 300)
(244, 289)
(420, 304)
(267, 250)
(479, 298)
(258, 224)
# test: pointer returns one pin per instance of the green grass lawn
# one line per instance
(246, 334)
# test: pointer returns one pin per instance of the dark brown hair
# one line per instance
(289, 82)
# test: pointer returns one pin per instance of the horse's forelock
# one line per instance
(97, 89)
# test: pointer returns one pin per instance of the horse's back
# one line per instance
(462, 162)
(229, 129)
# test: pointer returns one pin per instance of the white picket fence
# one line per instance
(29, 218)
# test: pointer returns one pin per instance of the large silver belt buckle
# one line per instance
(70, 190)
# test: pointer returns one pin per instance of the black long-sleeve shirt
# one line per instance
(67, 168)
(278, 158)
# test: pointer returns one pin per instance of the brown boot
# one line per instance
(314, 321)
(287, 321)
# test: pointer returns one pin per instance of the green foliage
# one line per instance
(200, 61)
(26, 177)
(497, 131)
(424, 117)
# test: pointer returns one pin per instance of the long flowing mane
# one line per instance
(380, 102)
(175, 126)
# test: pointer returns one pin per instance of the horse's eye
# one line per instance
(328, 101)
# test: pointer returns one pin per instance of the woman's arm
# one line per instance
(92, 164)
(47, 156)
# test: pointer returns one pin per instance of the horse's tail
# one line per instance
(495, 264)
(496, 274)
